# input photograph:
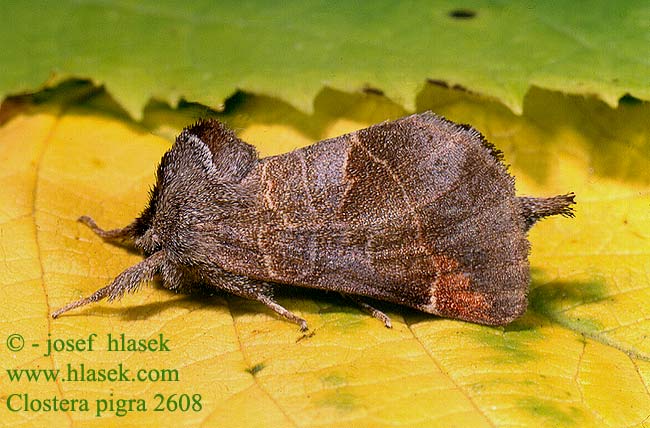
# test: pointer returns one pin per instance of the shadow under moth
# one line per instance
(419, 211)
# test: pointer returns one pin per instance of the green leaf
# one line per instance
(204, 51)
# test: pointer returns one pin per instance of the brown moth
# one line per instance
(419, 211)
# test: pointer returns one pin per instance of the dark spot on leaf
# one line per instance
(336, 393)
(98, 163)
(339, 399)
(446, 85)
(367, 89)
(509, 347)
(308, 335)
(462, 13)
(554, 413)
(334, 379)
(628, 99)
(256, 368)
(439, 82)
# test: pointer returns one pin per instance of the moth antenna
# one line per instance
(125, 233)
(127, 281)
(95, 297)
(534, 209)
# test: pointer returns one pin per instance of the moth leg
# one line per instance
(374, 312)
(263, 293)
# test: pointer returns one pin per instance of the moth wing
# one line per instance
(437, 211)
(419, 211)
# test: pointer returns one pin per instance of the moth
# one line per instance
(419, 211)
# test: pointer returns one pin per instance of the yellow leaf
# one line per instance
(579, 357)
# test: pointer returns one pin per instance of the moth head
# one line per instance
(206, 161)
